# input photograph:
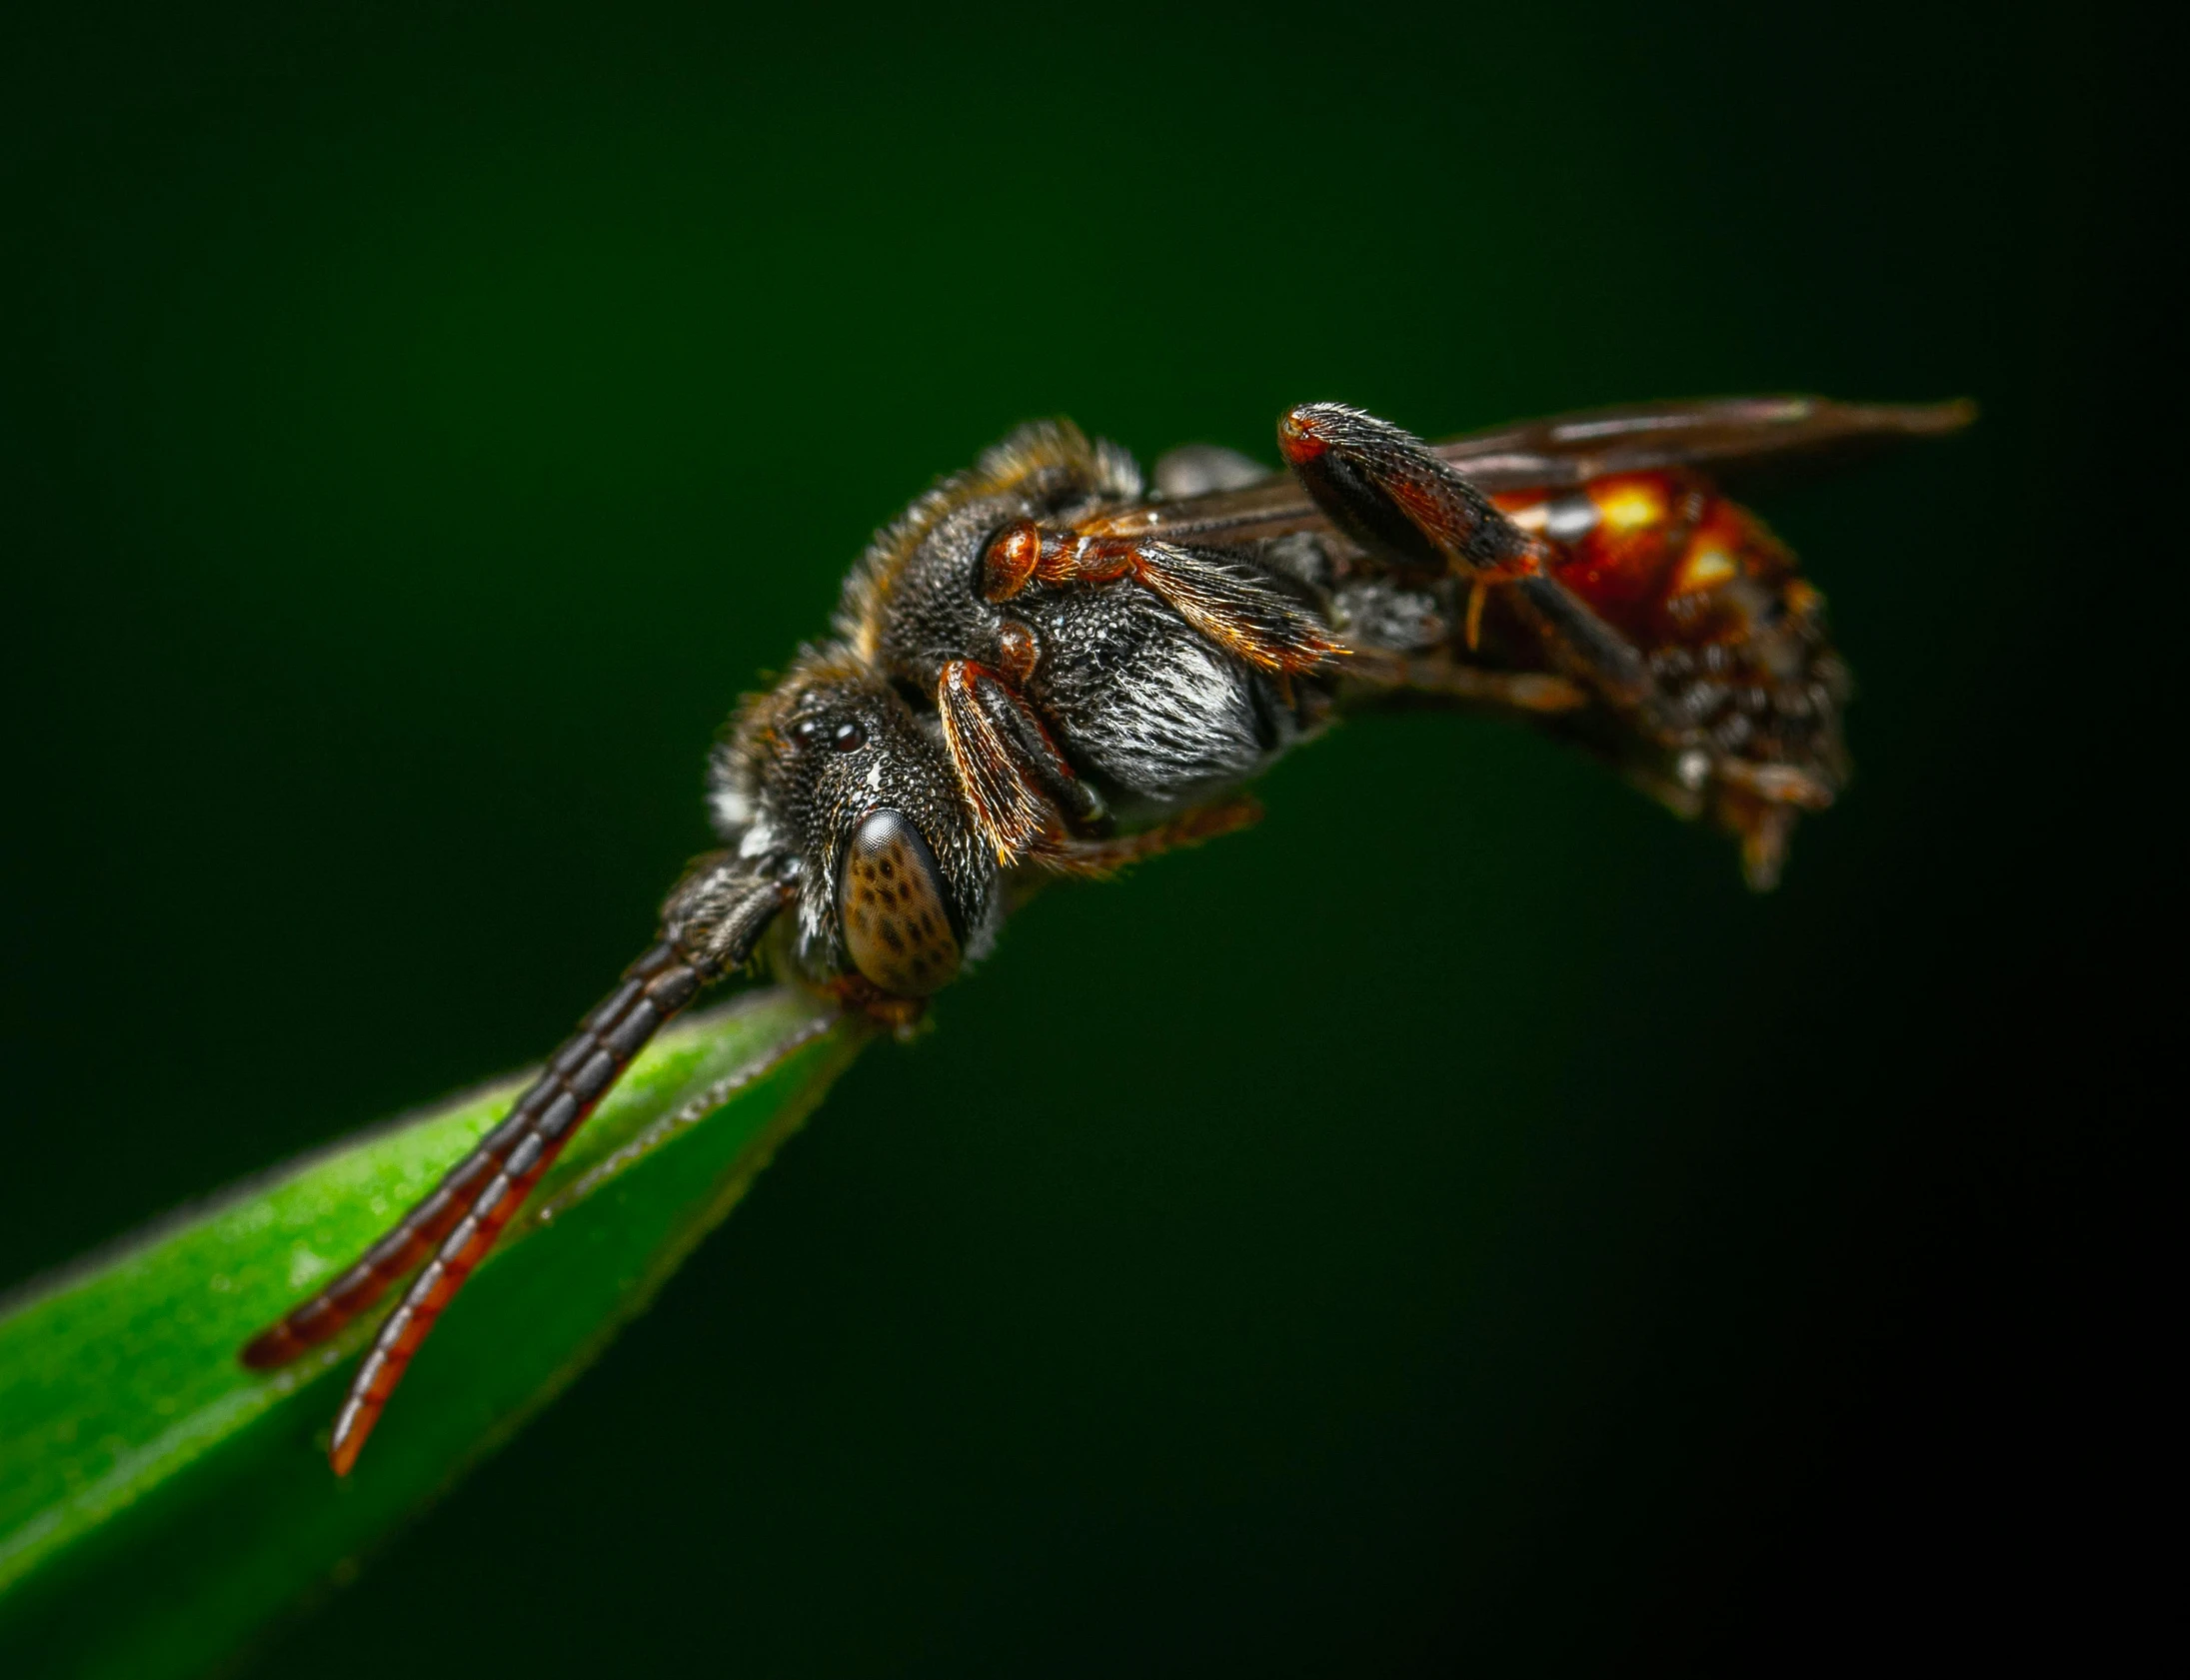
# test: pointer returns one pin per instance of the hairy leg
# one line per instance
(1389, 491)
(1024, 795)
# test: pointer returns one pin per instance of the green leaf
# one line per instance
(134, 1447)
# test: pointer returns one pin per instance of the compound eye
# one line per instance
(897, 926)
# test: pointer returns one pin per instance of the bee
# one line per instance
(1049, 666)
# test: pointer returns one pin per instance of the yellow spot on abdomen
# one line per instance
(1628, 504)
(1705, 567)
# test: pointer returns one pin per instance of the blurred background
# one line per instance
(1452, 1224)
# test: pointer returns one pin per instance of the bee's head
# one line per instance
(837, 780)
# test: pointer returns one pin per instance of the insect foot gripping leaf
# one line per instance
(134, 1445)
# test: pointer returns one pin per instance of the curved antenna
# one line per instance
(458, 1222)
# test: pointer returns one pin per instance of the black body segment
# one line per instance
(1146, 705)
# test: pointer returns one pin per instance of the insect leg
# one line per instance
(1104, 857)
(1022, 792)
(711, 923)
(1386, 489)
(1438, 676)
(1232, 602)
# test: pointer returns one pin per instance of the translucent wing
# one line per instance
(1721, 434)
(1715, 432)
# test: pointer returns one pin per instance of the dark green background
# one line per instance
(1452, 1227)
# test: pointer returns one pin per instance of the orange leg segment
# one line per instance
(1232, 602)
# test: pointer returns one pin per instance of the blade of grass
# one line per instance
(134, 1447)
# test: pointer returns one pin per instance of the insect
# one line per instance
(1049, 667)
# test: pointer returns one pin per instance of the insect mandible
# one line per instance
(1049, 667)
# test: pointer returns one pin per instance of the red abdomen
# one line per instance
(1746, 719)
(1665, 558)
